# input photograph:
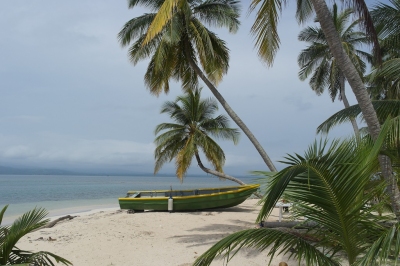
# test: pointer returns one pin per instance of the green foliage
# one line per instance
(175, 36)
(194, 125)
(10, 235)
(384, 79)
(383, 108)
(317, 61)
(330, 186)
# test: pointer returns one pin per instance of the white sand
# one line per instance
(114, 237)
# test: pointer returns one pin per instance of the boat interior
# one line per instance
(177, 193)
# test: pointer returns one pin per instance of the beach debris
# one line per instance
(51, 239)
(53, 223)
(283, 263)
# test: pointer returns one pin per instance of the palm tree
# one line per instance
(322, 182)
(387, 18)
(317, 61)
(385, 78)
(191, 133)
(178, 43)
(10, 235)
(267, 42)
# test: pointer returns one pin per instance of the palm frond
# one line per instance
(383, 108)
(212, 51)
(387, 16)
(163, 16)
(152, 4)
(390, 69)
(260, 239)
(135, 28)
(384, 249)
(2, 213)
(265, 28)
(10, 235)
(304, 10)
(41, 258)
(219, 13)
(184, 157)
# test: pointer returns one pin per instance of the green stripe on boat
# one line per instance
(187, 200)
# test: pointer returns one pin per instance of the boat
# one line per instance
(187, 200)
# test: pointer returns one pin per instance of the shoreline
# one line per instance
(59, 212)
(114, 237)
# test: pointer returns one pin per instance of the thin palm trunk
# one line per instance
(232, 113)
(219, 174)
(357, 85)
(347, 105)
(216, 173)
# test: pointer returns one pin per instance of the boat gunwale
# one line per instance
(240, 189)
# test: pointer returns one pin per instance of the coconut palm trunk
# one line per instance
(232, 113)
(219, 174)
(361, 94)
(347, 105)
(216, 173)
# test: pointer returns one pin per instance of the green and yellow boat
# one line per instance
(187, 200)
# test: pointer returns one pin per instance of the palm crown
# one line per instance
(194, 124)
(181, 37)
(316, 60)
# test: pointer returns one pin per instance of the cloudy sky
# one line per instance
(71, 99)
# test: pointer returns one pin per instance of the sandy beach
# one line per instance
(115, 237)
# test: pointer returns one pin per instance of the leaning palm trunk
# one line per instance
(216, 173)
(219, 174)
(232, 114)
(347, 105)
(361, 94)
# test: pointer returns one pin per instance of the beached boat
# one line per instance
(187, 200)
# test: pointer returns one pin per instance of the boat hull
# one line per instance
(200, 199)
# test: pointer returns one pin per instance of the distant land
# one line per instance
(6, 170)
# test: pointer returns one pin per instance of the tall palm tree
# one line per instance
(317, 61)
(181, 47)
(191, 133)
(267, 42)
(322, 182)
(10, 235)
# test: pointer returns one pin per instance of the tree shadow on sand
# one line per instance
(212, 232)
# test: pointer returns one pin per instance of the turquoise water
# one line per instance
(70, 194)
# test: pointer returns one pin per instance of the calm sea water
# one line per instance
(70, 194)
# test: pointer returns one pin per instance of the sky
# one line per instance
(70, 98)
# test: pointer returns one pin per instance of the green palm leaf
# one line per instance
(329, 187)
(10, 235)
(279, 243)
(384, 109)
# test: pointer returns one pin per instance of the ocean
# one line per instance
(62, 194)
